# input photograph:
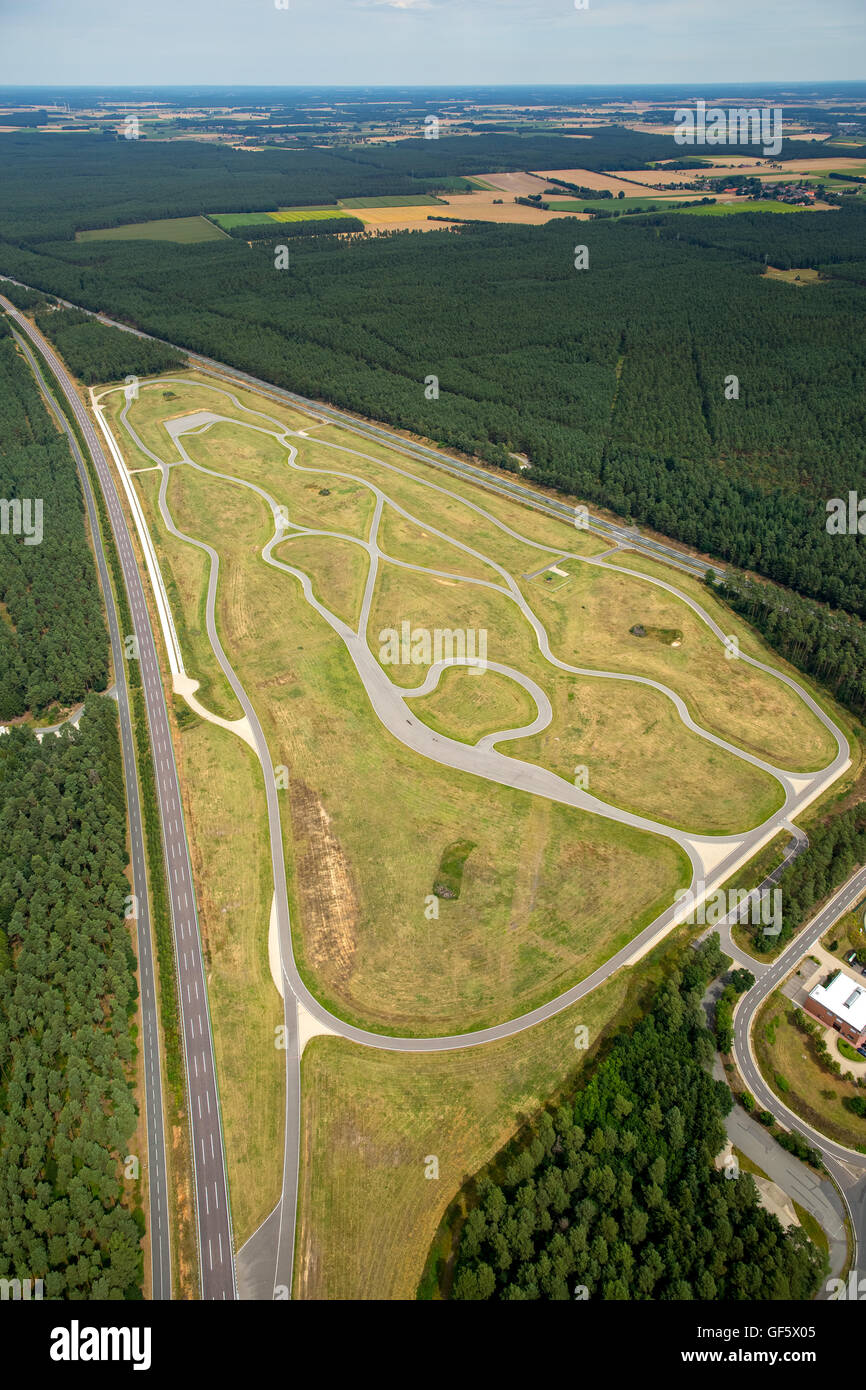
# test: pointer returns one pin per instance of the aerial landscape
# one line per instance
(433, 666)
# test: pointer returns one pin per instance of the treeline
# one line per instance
(835, 850)
(94, 352)
(271, 230)
(612, 381)
(67, 996)
(831, 646)
(21, 297)
(53, 645)
(617, 1197)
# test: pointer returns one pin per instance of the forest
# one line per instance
(95, 352)
(53, 644)
(831, 646)
(67, 998)
(54, 187)
(273, 231)
(616, 1196)
(612, 381)
(835, 850)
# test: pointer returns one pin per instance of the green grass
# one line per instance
(724, 209)
(450, 875)
(848, 1052)
(790, 1066)
(184, 230)
(322, 214)
(255, 219)
(407, 200)
(814, 1230)
(612, 204)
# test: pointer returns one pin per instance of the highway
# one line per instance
(159, 1224)
(846, 1165)
(213, 1214)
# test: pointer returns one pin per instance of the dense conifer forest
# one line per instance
(616, 1197)
(53, 644)
(67, 996)
(831, 646)
(94, 352)
(611, 380)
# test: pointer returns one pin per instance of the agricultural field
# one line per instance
(406, 200)
(245, 219)
(184, 230)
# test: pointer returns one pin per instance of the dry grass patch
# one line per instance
(812, 1092)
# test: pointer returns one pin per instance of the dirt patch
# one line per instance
(329, 907)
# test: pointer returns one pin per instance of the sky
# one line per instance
(380, 42)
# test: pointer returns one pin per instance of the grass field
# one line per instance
(812, 1092)
(466, 705)
(568, 888)
(407, 200)
(758, 205)
(548, 893)
(244, 219)
(662, 203)
(180, 229)
(367, 1214)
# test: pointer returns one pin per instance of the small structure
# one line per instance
(841, 1004)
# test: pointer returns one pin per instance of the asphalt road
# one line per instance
(213, 1214)
(159, 1224)
(846, 1165)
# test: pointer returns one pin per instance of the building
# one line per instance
(841, 1004)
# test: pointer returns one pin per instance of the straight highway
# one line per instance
(159, 1224)
(213, 1215)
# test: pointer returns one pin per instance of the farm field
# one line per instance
(747, 205)
(185, 230)
(664, 200)
(304, 214)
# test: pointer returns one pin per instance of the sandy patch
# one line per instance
(329, 909)
(518, 184)
(480, 207)
(587, 178)
(391, 217)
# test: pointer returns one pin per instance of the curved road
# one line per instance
(846, 1165)
(389, 703)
